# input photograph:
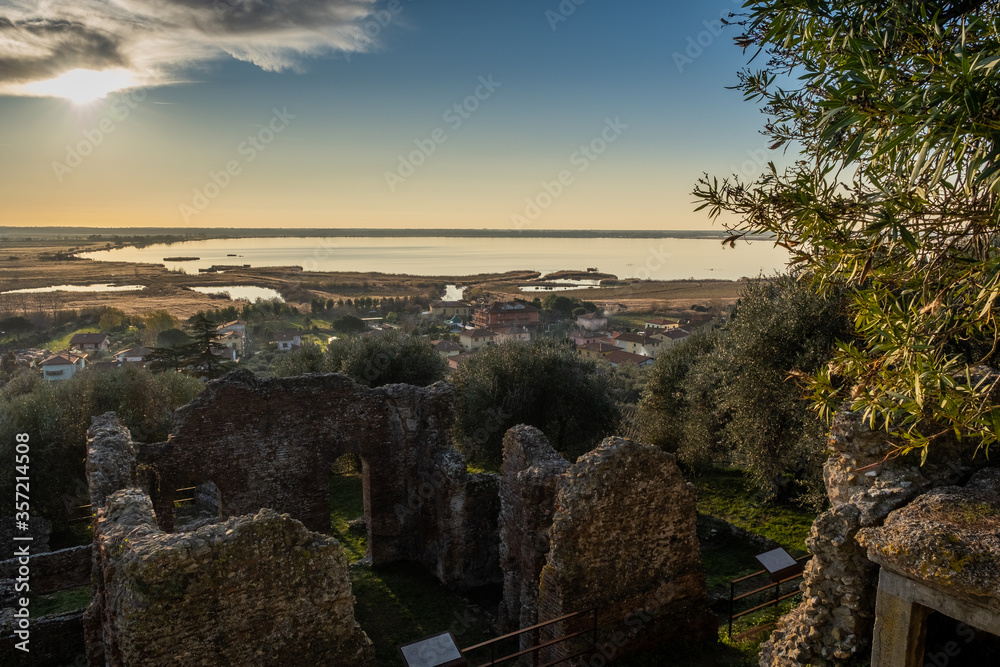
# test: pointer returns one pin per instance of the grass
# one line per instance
(61, 602)
(346, 505)
(401, 602)
(727, 495)
(62, 343)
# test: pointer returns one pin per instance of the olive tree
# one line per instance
(892, 110)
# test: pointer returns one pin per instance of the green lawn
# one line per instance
(401, 602)
(62, 342)
(61, 602)
(727, 495)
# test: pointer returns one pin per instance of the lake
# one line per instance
(242, 292)
(658, 259)
(101, 287)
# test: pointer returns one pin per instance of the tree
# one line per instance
(57, 415)
(16, 325)
(393, 358)
(726, 397)
(892, 110)
(202, 350)
(545, 384)
(348, 324)
(172, 338)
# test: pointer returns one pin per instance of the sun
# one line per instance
(81, 86)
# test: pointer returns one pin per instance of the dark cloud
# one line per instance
(54, 47)
(256, 16)
(40, 40)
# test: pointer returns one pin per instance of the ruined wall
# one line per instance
(836, 618)
(530, 473)
(53, 570)
(614, 531)
(258, 589)
(254, 590)
(623, 539)
(271, 443)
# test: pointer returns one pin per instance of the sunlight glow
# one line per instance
(83, 85)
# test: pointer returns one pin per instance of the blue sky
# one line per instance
(369, 136)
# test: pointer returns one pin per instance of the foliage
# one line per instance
(348, 324)
(545, 384)
(389, 358)
(16, 325)
(727, 397)
(56, 416)
(172, 337)
(892, 108)
(202, 352)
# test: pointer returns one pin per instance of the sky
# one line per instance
(505, 114)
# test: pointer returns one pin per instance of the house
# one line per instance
(63, 366)
(458, 360)
(639, 343)
(373, 322)
(135, 355)
(287, 341)
(596, 349)
(234, 340)
(521, 334)
(592, 321)
(672, 337)
(473, 339)
(620, 357)
(507, 314)
(455, 324)
(660, 323)
(447, 309)
(583, 337)
(89, 342)
(447, 348)
(235, 325)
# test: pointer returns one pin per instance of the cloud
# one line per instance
(158, 39)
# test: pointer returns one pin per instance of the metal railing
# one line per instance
(91, 516)
(492, 643)
(777, 597)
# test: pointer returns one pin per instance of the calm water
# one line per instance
(238, 292)
(663, 259)
(102, 287)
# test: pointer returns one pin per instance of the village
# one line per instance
(456, 330)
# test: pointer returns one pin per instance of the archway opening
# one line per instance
(347, 506)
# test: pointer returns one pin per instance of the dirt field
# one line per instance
(32, 264)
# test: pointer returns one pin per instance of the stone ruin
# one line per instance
(257, 582)
(271, 443)
(871, 497)
(614, 532)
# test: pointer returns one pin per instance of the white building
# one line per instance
(63, 366)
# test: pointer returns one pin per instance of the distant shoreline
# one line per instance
(178, 234)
